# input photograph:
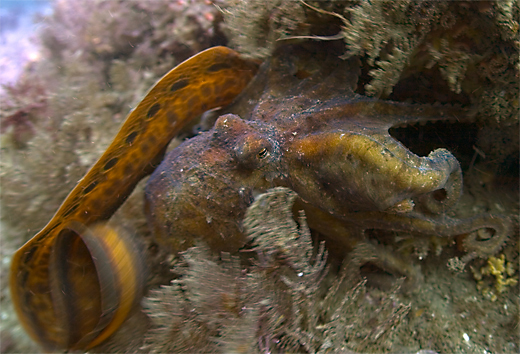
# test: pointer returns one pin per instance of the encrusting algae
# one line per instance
(502, 272)
(301, 281)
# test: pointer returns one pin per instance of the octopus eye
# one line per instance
(263, 153)
(252, 151)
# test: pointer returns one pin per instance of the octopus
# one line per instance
(298, 124)
(308, 130)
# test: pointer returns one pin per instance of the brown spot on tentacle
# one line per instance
(90, 187)
(217, 67)
(153, 110)
(131, 137)
(71, 209)
(110, 164)
(145, 147)
(205, 90)
(180, 84)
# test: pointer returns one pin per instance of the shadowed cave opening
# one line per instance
(458, 138)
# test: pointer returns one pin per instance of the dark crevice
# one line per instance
(458, 138)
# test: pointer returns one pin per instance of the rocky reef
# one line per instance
(287, 290)
(464, 51)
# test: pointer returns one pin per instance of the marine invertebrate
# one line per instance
(61, 172)
(297, 133)
(209, 79)
(294, 132)
(472, 45)
(142, 33)
(284, 300)
(468, 48)
(331, 146)
(86, 100)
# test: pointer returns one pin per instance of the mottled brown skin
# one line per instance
(310, 132)
(49, 299)
(202, 188)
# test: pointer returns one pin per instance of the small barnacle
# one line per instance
(403, 206)
(456, 265)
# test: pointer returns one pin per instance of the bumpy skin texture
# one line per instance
(47, 287)
(310, 132)
(203, 187)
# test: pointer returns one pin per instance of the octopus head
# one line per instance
(203, 187)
